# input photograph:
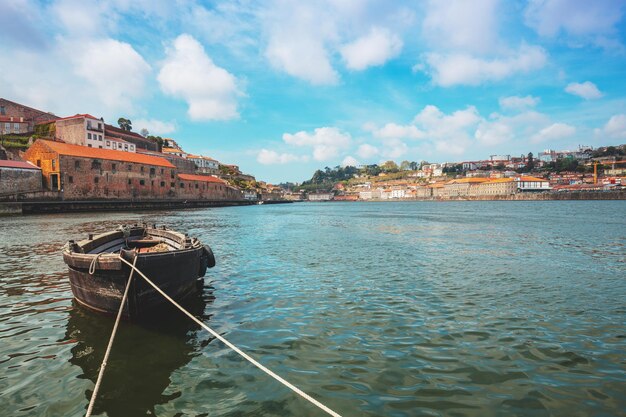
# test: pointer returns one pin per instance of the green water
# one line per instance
(377, 309)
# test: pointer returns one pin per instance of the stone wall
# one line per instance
(17, 180)
(71, 131)
(87, 178)
(203, 190)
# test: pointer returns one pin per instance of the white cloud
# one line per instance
(395, 131)
(615, 128)
(268, 157)
(462, 25)
(586, 90)
(493, 133)
(154, 126)
(577, 18)
(518, 103)
(349, 161)
(555, 131)
(463, 69)
(114, 68)
(326, 142)
(367, 151)
(298, 37)
(393, 148)
(189, 73)
(373, 49)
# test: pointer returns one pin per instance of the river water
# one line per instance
(376, 309)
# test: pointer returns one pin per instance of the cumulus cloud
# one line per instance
(394, 131)
(373, 49)
(586, 90)
(577, 18)
(518, 103)
(114, 68)
(615, 128)
(327, 142)
(367, 151)
(493, 133)
(464, 25)
(154, 126)
(189, 73)
(268, 157)
(349, 161)
(555, 131)
(298, 37)
(464, 69)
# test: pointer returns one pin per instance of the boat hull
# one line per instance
(178, 273)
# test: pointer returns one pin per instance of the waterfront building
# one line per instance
(19, 177)
(81, 172)
(462, 187)
(206, 187)
(423, 192)
(16, 118)
(397, 192)
(320, 196)
(499, 186)
(527, 183)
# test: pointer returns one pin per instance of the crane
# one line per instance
(595, 167)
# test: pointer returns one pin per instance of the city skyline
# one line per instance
(284, 88)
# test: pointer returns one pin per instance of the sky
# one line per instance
(282, 88)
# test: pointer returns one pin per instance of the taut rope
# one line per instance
(233, 347)
(108, 351)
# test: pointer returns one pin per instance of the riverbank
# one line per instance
(530, 196)
(57, 206)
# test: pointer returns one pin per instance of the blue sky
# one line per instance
(286, 87)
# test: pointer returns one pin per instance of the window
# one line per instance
(99, 126)
(141, 169)
(99, 137)
(130, 167)
(76, 164)
(182, 185)
(89, 144)
(96, 164)
(129, 181)
(96, 179)
(2, 111)
(108, 143)
(70, 179)
(16, 128)
(100, 146)
(152, 172)
(162, 171)
(196, 186)
(54, 164)
(172, 184)
(162, 183)
(113, 167)
(125, 147)
(142, 182)
(132, 147)
(88, 135)
(172, 175)
(39, 163)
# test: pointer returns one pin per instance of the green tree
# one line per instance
(125, 124)
(389, 166)
(405, 166)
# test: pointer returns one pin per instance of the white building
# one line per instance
(526, 183)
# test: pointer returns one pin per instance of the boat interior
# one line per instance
(144, 239)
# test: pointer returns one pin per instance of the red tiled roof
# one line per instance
(205, 178)
(530, 179)
(87, 152)
(117, 130)
(113, 138)
(76, 116)
(17, 164)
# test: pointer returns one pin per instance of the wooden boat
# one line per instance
(175, 262)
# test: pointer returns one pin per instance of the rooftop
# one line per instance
(17, 164)
(109, 154)
(204, 178)
(79, 116)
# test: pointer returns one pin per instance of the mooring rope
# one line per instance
(108, 351)
(235, 348)
(94, 263)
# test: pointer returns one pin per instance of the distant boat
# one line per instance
(175, 262)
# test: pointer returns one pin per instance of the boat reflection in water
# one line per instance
(143, 357)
